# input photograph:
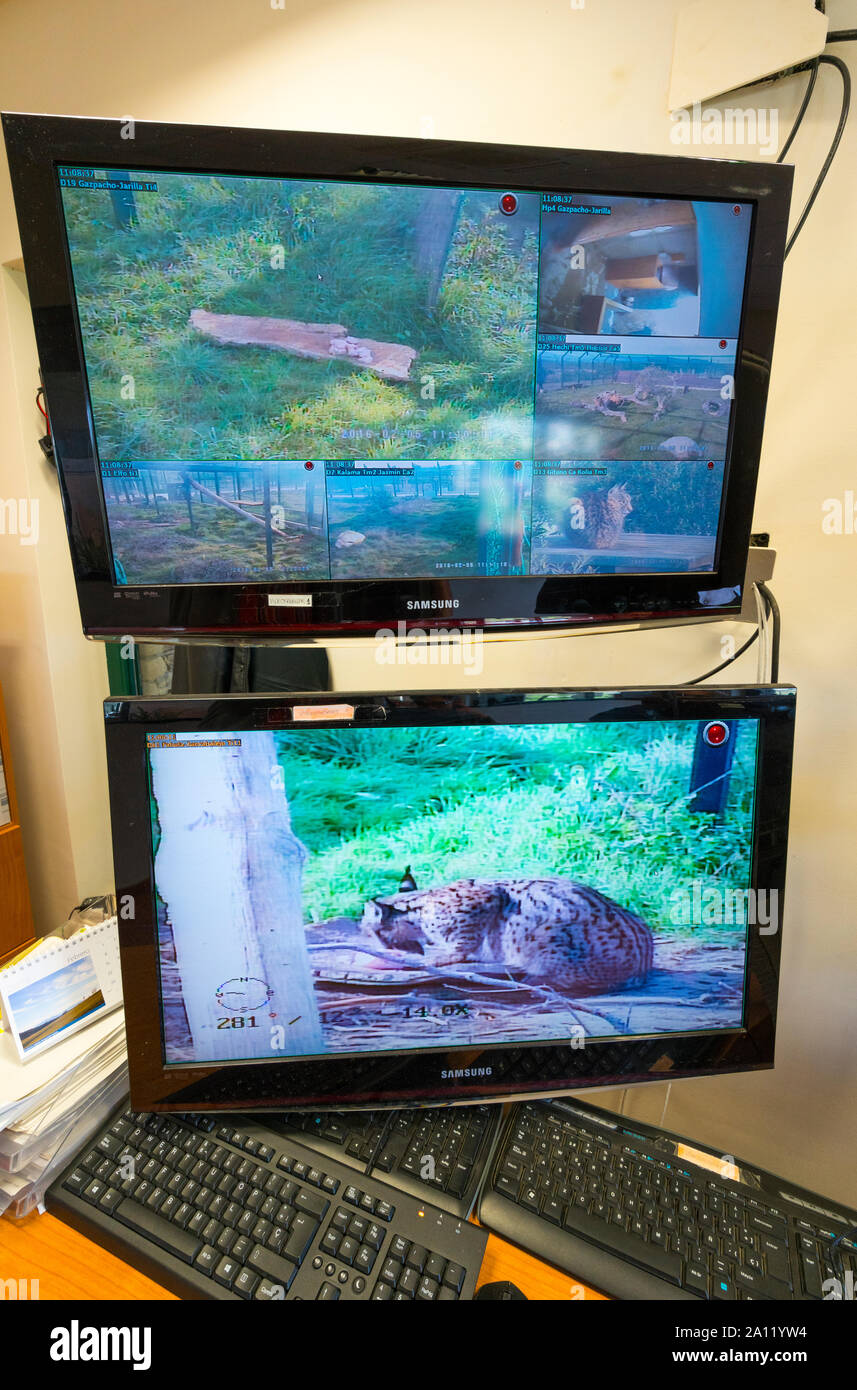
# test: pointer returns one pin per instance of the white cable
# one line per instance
(666, 1103)
(762, 653)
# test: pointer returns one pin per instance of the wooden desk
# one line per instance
(68, 1266)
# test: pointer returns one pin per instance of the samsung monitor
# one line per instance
(363, 900)
(304, 384)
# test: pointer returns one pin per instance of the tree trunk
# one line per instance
(434, 233)
(229, 870)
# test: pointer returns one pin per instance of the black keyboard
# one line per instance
(214, 1211)
(621, 1206)
(433, 1154)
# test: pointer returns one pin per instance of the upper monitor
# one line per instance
(303, 383)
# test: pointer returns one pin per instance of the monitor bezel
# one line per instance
(414, 1078)
(37, 144)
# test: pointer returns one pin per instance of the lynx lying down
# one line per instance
(553, 929)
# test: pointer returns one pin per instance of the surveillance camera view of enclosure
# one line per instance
(247, 318)
(606, 518)
(633, 403)
(429, 518)
(450, 886)
(643, 266)
(200, 522)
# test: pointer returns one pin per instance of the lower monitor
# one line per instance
(363, 900)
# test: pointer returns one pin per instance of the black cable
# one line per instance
(801, 113)
(774, 611)
(728, 662)
(836, 1257)
(842, 36)
(776, 624)
(834, 144)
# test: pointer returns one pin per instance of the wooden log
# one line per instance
(248, 516)
(317, 341)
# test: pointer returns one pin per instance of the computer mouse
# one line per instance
(503, 1291)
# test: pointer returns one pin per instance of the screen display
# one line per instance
(307, 380)
(340, 891)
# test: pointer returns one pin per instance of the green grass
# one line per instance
(348, 255)
(603, 807)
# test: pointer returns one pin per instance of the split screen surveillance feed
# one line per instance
(317, 380)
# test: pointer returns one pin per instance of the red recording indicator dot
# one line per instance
(711, 463)
(715, 733)
(508, 204)
(309, 466)
(723, 342)
(518, 463)
(736, 210)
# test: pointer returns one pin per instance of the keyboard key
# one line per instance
(330, 1241)
(453, 1277)
(364, 1259)
(328, 1293)
(272, 1267)
(312, 1202)
(170, 1236)
(301, 1236)
(373, 1236)
(207, 1259)
(810, 1274)
(769, 1226)
(270, 1291)
(347, 1250)
(661, 1262)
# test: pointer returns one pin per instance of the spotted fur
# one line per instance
(552, 929)
(598, 519)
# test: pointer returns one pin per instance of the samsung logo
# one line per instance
(433, 603)
(466, 1071)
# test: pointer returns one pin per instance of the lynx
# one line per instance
(598, 519)
(552, 929)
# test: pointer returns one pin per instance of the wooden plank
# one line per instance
(317, 341)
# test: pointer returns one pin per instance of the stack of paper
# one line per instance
(52, 1101)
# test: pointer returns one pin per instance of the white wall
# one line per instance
(594, 77)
